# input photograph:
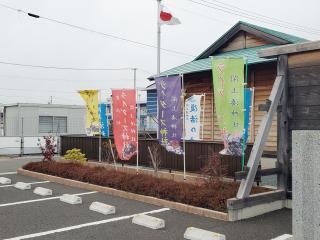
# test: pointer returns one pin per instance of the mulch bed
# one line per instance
(210, 196)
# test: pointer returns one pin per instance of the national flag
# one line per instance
(166, 17)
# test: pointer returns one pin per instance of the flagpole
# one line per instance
(100, 128)
(138, 112)
(183, 130)
(158, 37)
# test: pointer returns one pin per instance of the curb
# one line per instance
(137, 197)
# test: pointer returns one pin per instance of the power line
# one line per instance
(95, 31)
(198, 14)
(36, 97)
(4, 76)
(65, 68)
(36, 90)
(246, 15)
(73, 68)
(265, 16)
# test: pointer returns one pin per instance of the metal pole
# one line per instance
(112, 153)
(158, 37)
(138, 112)
(183, 130)
(204, 108)
(100, 128)
(22, 139)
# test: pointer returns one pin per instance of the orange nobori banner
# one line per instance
(124, 122)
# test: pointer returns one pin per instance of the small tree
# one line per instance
(48, 149)
(214, 171)
(154, 151)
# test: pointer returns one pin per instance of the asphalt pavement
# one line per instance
(24, 215)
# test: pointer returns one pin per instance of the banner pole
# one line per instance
(112, 153)
(204, 108)
(183, 129)
(243, 142)
(138, 114)
(100, 128)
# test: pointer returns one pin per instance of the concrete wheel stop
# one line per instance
(42, 191)
(23, 186)
(4, 180)
(193, 233)
(148, 221)
(102, 208)
(71, 199)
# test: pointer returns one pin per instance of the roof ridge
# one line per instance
(272, 31)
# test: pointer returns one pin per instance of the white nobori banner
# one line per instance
(192, 117)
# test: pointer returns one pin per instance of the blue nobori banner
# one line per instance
(103, 120)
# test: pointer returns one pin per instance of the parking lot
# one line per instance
(25, 215)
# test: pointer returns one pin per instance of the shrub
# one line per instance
(214, 171)
(75, 155)
(193, 194)
(48, 149)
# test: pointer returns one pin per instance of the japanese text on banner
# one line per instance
(124, 122)
(103, 119)
(228, 83)
(170, 112)
(192, 117)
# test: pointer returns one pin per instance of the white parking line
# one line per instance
(11, 185)
(7, 173)
(59, 230)
(41, 199)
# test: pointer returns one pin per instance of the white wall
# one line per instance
(29, 115)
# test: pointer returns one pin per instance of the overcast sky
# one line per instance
(33, 41)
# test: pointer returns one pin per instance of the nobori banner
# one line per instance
(192, 117)
(92, 120)
(170, 112)
(124, 122)
(103, 119)
(228, 84)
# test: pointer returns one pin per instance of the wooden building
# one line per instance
(300, 104)
(242, 40)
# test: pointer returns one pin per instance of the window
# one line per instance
(50, 124)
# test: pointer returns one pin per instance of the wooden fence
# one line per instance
(197, 153)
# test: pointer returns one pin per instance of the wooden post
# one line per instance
(256, 153)
(283, 126)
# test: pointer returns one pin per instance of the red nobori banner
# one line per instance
(124, 122)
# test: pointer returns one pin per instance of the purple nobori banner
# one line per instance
(170, 113)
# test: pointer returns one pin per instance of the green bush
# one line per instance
(75, 155)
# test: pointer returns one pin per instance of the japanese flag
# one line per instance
(165, 17)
